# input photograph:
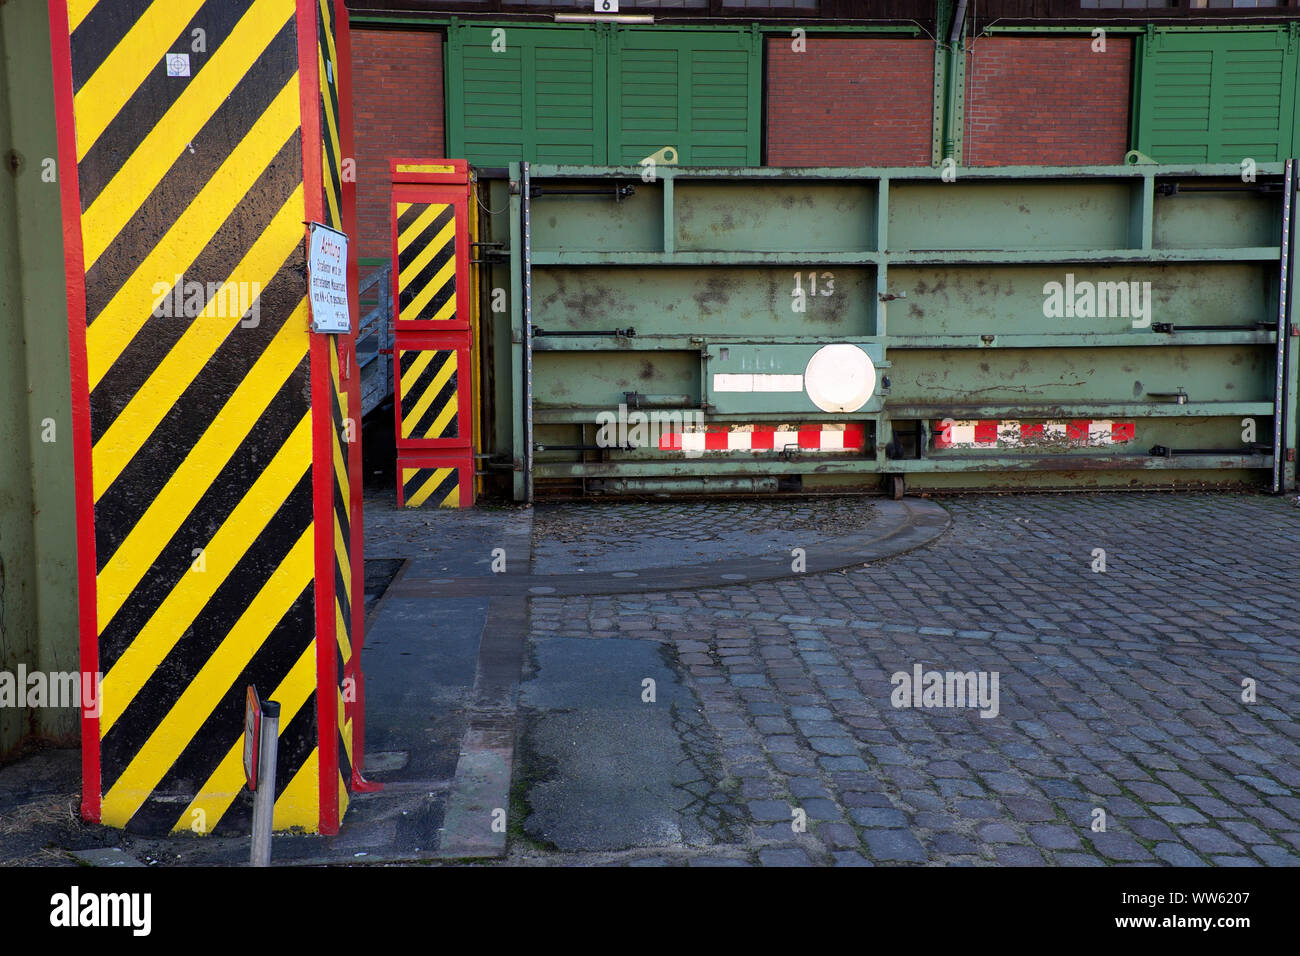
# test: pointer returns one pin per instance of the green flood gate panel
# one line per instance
(1217, 96)
(603, 94)
(740, 329)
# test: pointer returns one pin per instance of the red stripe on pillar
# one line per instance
(75, 281)
(322, 450)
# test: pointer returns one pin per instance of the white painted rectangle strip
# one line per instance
(692, 441)
(781, 439)
(832, 440)
(767, 382)
(732, 382)
(738, 441)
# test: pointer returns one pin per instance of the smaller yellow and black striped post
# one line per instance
(437, 483)
(428, 387)
(426, 261)
(433, 350)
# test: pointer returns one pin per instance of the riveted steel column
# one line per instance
(526, 226)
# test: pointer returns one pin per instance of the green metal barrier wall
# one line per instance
(1025, 328)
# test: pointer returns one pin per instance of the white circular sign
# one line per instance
(840, 378)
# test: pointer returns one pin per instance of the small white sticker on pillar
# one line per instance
(178, 64)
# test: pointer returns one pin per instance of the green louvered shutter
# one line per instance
(540, 99)
(1217, 97)
(697, 91)
(604, 96)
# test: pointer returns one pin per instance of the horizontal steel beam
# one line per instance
(1145, 339)
(690, 343)
(1012, 257)
(1028, 411)
(682, 343)
(1037, 410)
(749, 466)
(1020, 173)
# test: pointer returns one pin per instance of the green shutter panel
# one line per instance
(646, 92)
(1217, 97)
(568, 99)
(558, 95)
(485, 121)
(696, 91)
(541, 99)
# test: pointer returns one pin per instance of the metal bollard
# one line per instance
(264, 795)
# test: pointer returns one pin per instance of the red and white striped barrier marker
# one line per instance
(951, 433)
(758, 438)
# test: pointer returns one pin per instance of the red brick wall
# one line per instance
(849, 102)
(1046, 102)
(398, 104)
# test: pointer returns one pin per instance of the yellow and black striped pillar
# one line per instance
(216, 460)
(433, 338)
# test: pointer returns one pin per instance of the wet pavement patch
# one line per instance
(607, 769)
(421, 658)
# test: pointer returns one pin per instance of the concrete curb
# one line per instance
(903, 526)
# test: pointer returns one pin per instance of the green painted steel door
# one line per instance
(536, 93)
(603, 95)
(1217, 97)
(697, 92)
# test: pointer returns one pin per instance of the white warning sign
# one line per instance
(327, 280)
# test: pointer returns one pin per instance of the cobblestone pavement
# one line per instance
(618, 536)
(1120, 692)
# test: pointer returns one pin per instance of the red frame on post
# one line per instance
(419, 188)
(464, 392)
(443, 181)
(356, 708)
(463, 461)
(75, 278)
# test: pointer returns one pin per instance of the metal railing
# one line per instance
(375, 338)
